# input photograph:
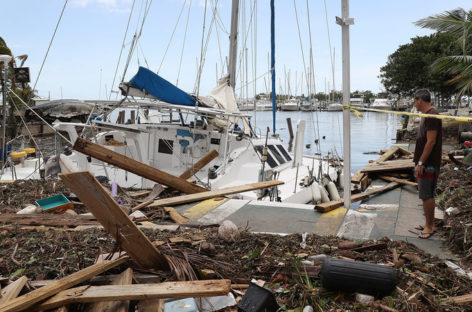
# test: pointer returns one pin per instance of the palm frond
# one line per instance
(448, 21)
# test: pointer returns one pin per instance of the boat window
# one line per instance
(215, 141)
(270, 160)
(166, 146)
(284, 152)
(277, 155)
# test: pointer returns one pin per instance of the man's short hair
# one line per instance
(422, 94)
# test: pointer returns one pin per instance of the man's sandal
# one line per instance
(426, 235)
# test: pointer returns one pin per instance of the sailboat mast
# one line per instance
(345, 22)
(272, 69)
(233, 43)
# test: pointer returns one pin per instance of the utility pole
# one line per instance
(345, 22)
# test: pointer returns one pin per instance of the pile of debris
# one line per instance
(394, 166)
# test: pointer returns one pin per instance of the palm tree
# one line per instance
(458, 23)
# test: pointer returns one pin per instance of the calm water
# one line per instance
(372, 133)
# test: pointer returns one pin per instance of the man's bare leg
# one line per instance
(428, 207)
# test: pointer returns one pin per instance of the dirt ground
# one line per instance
(42, 253)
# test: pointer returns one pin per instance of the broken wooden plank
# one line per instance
(199, 164)
(47, 219)
(205, 288)
(401, 181)
(156, 191)
(13, 289)
(365, 182)
(325, 207)
(121, 161)
(357, 177)
(125, 278)
(33, 297)
(464, 299)
(387, 155)
(392, 165)
(370, 247)
(139, 193)
(175, 216)
(114, 220)
(212, 194)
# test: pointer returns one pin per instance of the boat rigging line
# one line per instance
(50, 44)
(122, 48)
(183, 43)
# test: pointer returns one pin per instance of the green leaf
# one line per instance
(18, 272)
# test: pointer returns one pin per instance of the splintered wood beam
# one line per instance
(13, 289)
(205, 288)
(357, 177)
(125, 278)
(212, 194)
(199, 164)
(175, 216)
(121, 161)
(30, 299)
(401, 181)
(464, 299)
(115, 221)
(328, 206)
(388, 154)
(392, 165)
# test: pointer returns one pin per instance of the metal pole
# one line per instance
(233, 43)
(345, 21)
(272, 45)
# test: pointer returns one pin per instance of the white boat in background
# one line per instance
(263, 105)
(246, 105)
(385, 104)
(290, 105)
(334, 107)
(309, 105)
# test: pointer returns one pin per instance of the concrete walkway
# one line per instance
(393, 214)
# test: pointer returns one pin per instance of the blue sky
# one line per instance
(85, 51)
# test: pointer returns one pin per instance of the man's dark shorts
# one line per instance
(427, 182)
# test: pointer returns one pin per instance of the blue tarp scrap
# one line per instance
(160, 88)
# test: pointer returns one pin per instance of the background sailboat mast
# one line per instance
(272, 69)
(345, 21)
(233, 43)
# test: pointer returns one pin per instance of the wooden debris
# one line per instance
(199, 164)
(35, 296)
(392, 165)
(325, 207)
(388, 154)
(401, 181)
(357, 177)
(156, 191)
(205, 288)
(114, 220)
(464, 299)
(370, 247)
(212, 194)
(175, 216)
(153, 305)
(47, 219)
(13, 289)
(121, 161)
(125, 278)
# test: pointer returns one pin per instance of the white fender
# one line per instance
(324, 194)
(316, 193)
(333, 191)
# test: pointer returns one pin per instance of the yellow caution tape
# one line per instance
(456, 118)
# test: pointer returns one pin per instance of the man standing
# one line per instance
(427, 158)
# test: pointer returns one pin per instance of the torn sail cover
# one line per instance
(157, 86)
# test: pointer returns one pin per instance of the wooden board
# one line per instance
(464, 299)
(401, 181)
(199, 164)
(121, 161)
(205, 288)
(28, 300)
(388, 154)
(212, 194)
(125, 278)
(357, 177)
(13, 289)
(328, 206)
(47, 219)
(392, 165)
(175, 216)
(153, 305)
(114, 220)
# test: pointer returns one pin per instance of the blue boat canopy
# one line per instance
(160, 88)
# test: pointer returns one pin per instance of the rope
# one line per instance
(183, 43)
(172, 36)
(122, 48)
(50, 43)
(197, 85)
(301, 45)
